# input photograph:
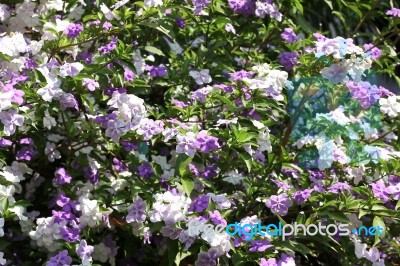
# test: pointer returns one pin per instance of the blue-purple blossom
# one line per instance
(187, 143)
(180, 23)
(73, 30)
(373, 51)
(106, 49)
(259, 245)
(62, 177)
(301, 196)
(279, 204)
(380, 190)
(363, 91)
(288, 60)
(199, 204)
(289, 36)
(61, 259)
(339, 187)
(269, 262)
(243, 7)
(207, 143)
(216, 217)
(145, 170)
(90, 84)
(395, 12)
(241, 74)
(128, 75)
(157, 71)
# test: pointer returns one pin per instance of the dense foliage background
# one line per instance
(122, 122)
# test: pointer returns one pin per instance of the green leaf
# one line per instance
(172, 247)
(143, 148)
(187, 184)
(182, 162)
(221, 22)
(154, 50)
(378, 221)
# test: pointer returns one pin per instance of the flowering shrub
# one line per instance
(122, 122)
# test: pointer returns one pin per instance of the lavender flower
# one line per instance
(187, 144)
(90, 84)
(128, 75)
(216, 217)
(243, 7)
(207, 258)
(137, 211)
(199, 5)
(395, 12)
(289, 36)
(380, 191)
(279, 204)
(373, 51)
(339, 187)
(84, 251)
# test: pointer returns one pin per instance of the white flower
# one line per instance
(52, 89)
(1, 227)
(7, 192)
(201, 77)
(101, 253)
(153, 3)
(2, 260)
(108, 13)
(52, 152)
(233, 177)
(19, 211)
(70, 69)
(13, 45)
(90, 212)
(229, 28)
(220, 200)
(46, 233)
(4, 13)
(390, 105)
(264, 140)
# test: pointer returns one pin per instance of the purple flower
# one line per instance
(269, 262)
(207, 143)
(187, 144)
(199, 5)
(201, 94)
(157, 71)
(364, 92)
(288, 60)
(149, 128)
(68, 101)
(395, 12)
(339, 187)
(335, 73)
(145, 170)
(302, 195)
(119, 165)
(73, 30)
(259, 245)
(90, 84)
(279, 204)
(178, 103)
(70, 234)
(61, 259)
(106, 49)
(180, 23)
(380, 191)
(91, 174)
(243, 7)
(210, 171)
(128, 75)
(84, 251)
(199, 204)
(62, 177)
(5, 142)
(286, 261)
(216, 217)
(374, 52)
(240, 75)
(207, 258)
(128, 146)
(289, 36)
(107, 25)
(137, 211)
